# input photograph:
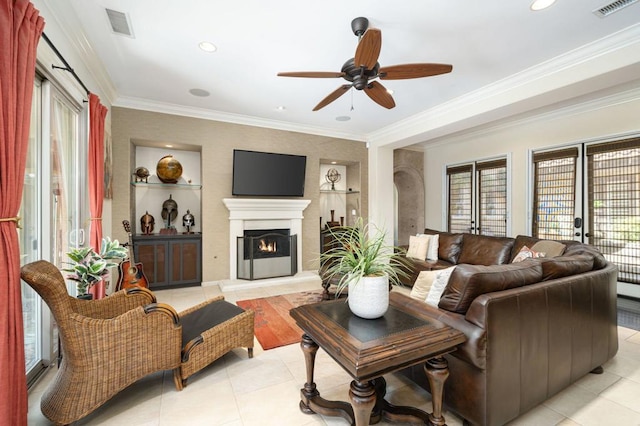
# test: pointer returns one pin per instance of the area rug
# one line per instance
(274, 326)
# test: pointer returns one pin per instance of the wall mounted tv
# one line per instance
(265, 174)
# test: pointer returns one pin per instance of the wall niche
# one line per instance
(148, 195)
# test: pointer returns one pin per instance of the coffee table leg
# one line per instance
(309, 348)
(437, 370)
(362, 396)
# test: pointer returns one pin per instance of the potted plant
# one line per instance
(360, 261)
(88, 267)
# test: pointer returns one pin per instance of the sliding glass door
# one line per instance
(68, 186)
(54, 208)
(29, 237)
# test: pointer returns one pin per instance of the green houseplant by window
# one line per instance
(87, 267)
(360, 260)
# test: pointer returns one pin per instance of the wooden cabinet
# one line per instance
(170, 260)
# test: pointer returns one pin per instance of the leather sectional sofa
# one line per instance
(533, 327)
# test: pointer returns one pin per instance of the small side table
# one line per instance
(368, 349)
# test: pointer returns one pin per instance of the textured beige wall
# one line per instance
(218, 140)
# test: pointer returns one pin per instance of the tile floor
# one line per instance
(237, 391)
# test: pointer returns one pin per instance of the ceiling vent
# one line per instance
(119, 22)
(617, 5)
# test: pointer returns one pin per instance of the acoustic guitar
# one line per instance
(131, 274)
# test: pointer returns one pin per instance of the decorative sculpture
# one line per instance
(141, 174)
(169, 214)
(333, 176)
(169, 169)
(188, 221)
(146, 224)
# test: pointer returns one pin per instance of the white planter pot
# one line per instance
(369, 297)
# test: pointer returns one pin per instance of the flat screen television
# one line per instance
(265, 174)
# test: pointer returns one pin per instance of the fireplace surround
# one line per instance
(262, 214)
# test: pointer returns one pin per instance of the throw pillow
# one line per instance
(423, 284)
(432, 250)
(527, 253)
(438, 286)
(418, 246)
(549, 247)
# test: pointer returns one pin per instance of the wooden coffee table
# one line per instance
(368, 349)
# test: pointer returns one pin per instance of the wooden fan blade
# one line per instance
(400, 72)
(312, 74)
(368, 49)
(379, 95)
(333, 96)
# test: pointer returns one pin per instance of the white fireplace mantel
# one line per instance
(258, 213)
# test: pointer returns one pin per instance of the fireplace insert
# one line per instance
(266, 253)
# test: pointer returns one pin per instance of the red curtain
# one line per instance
(97, 114)
(20, 30)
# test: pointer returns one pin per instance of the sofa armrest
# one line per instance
(473, 350)
(542, 337)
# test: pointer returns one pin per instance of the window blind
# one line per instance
(614, 204)
(460, 193)
(554, 194)
(492, 191)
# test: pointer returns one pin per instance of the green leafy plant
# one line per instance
(88, 267)
(360, 251)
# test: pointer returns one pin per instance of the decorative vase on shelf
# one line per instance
(369, 297)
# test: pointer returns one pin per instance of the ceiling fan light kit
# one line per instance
(363, 70)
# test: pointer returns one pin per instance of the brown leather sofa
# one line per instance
(533, 327)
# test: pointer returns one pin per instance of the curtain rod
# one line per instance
(67, 67)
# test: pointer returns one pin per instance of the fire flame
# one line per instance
(269, 247)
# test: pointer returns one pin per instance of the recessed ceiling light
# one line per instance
(169, 146)
(207, 46)
(280, 108)
(343, 118)
(541, 4)
(334, 162)
(199, 92)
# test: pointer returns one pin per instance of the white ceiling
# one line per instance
(491, 44)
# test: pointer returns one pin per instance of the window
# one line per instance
(477, 197)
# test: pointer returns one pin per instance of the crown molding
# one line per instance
(207, 114)
(66, 23)
(533, 88)
(625, 95)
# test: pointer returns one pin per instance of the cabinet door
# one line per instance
(153, 256)
(186, 265)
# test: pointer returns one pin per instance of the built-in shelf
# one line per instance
(167, 185)
(338, 191)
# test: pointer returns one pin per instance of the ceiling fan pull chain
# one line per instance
(352, 99)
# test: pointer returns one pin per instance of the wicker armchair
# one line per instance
(108, 344)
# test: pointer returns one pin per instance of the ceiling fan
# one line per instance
(363, 69)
